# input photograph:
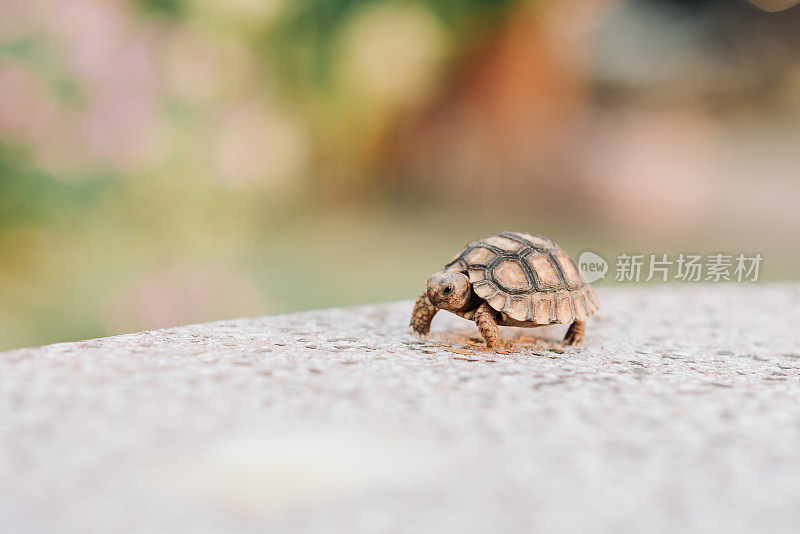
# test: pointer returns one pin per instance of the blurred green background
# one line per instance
(173, 161)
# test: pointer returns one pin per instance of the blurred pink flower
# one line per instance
(26, 111)
(652, 174)
(114, 58)
(194, 66)
(182, 294)
(16, 15)
(100, 44)
(250, 144)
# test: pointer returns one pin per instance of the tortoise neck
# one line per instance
(472, 303)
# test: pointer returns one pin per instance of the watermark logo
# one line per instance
(679, 268)
(593, 266)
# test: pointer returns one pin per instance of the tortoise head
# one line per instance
(449, 291)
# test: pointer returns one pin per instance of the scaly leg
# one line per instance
(575, 333)
(487, 326)
(422, 315)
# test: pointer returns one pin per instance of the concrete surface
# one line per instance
(681, 413)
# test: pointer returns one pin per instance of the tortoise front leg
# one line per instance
(575, 333)
(422, 315)
(487, 326)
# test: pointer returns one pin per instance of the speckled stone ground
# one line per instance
(680, 413)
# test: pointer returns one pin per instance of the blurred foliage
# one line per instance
(30, 196)
(172, 8)
(302, 43)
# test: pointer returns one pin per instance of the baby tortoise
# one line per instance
(509, 279)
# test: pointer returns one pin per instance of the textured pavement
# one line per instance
(680, 413)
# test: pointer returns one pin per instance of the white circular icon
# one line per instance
(592, 266)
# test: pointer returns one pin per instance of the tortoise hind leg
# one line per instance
(422, 315)
(487, 326)
(575, 333)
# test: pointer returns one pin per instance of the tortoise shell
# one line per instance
(526, 277)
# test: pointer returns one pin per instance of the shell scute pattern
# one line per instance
(527, 277)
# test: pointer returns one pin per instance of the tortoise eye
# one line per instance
(447, 290)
